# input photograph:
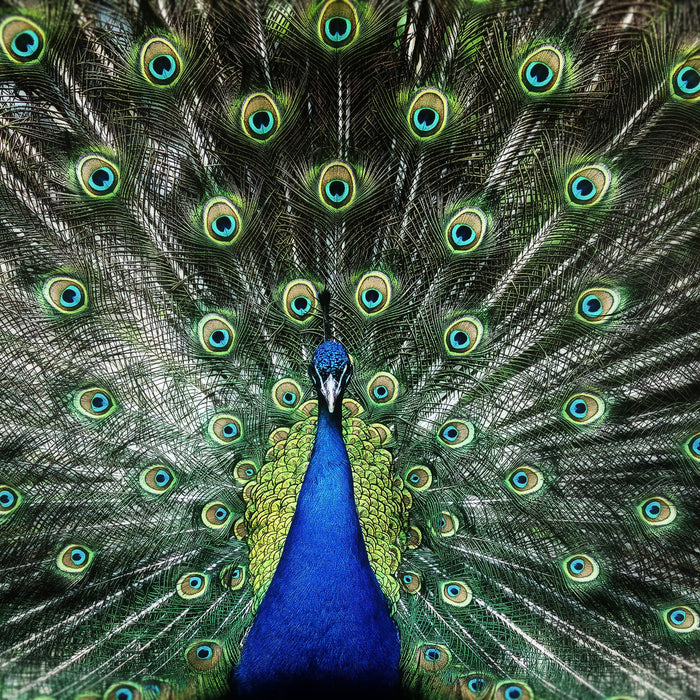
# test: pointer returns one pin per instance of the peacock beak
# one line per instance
(330, 389)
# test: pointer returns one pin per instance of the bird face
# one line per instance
(330, 371)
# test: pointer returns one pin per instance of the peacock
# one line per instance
(349, 348)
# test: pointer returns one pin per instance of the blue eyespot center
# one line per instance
(337, 29)
(230, 430)
(99, 402)
(78, 556)
(583, 189)
(462, 234)
(433, 654)
(414, 478)
(289, 397)
(380, 392)
(195, 582)
(236, 573)
(579, 408)
(476, 685)
(204, 652)
(249, 472)
(26, 43)
(162, 477)
(459, 339)
(592, 306)
(513, 692)
(124, 694)
(372, 297)
(262, 121)
(678, 616)
(219, 338)
(221, 513)
(425, 119)
(7, 498)
(337, 190)
(71, 296)
(450, 433)
(452, 591)
(652, 510)
(162, 67)
(577, 565)
(519, 479)
(224, 226)
(695, 446)
(407, 579)
(101, 179)
(539, 74)
(301, 305)
(688, 80)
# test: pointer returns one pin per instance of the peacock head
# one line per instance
(330, 371)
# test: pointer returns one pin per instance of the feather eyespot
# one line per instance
(337, 24)
(541, 70)
(410, 582)
(581, 568)
(192, 585)
(685, 79)
(336, 185)
(98, 176)
(681, 618)
(286, 394)
(245, 471)
(9, 500)
(456, 593)
(584, 409)
(477, 685)
(216, 515)
(123, 691)
(260, 116)
(693, 446)
(74, 559)
(657, 511)
(445, 524)
(587, 185)
(597, 305)
(300, 300)
(157, 479)
(414, 537)
(428, 113)
(204, 656)
(160, 62)
(525, 480)
(456, 433)
(65, 294)
(419, 478)
(466, 230)
(216, 334)
(463, 335)
(382, 388)
(22, 39)
(432, 658)
(512, 690)
(373, 293)
(222, 222)
(94, 402)
(232, 577)
(225, 429)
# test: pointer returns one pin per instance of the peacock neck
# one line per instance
(324, 621)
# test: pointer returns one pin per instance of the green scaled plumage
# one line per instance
(502, 200)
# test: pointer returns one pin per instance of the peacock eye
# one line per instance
(693, 446)
(427, 113)
(463, 335)
(97, 176)
(22, 39)
(286, 394)
(581, 568)
(300, 300)
(260, 116)
(525, 480)
(456, 593)
(432, 658)
(382, 388)
(222, 222)
(160, 62)
(192, 585)
(541, 70)
(215, 515)
(410, 582)
(584, 409)
(65, 294)
(445, 524)
(216, 335)
(338, 23)
(685, 79)
(587, 185)
(232, 577)
(419, 478)
(225, 429)
(74, 559)
(9, 500)
(456, 433)
(597, 305)
(245, 471)
(157, 479)
(657, 511)
(94, 402)
(681, 618)
(123, 691)
(337, 185)
(466, 229)
(477, 684)
(204, 656)
(512, 690)
(373, 292)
